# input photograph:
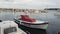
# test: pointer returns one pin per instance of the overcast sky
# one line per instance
(34, 4)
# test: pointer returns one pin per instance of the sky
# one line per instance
(30, 4)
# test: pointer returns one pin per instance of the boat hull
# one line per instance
(39, 26)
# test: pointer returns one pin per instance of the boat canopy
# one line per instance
(27, 18)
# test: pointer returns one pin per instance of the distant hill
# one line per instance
(52, 9)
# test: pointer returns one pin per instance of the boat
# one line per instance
(25, 20)
(10, 27)
(56, 14)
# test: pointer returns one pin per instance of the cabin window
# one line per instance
(10, 30)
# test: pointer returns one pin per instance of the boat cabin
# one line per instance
(10, 27)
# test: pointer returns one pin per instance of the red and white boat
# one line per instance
(25, 20)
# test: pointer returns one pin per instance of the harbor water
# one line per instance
(54, 20)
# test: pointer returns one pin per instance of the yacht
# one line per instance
(10, 27)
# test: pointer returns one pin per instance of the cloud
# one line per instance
(28, 3)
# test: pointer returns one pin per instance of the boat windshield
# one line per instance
(10, 30)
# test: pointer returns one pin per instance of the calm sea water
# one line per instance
(54, 21)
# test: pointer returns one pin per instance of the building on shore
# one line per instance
(36, 11)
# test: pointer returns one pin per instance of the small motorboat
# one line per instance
(25, 20)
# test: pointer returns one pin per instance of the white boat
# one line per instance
(25, 20)
(10, 27)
